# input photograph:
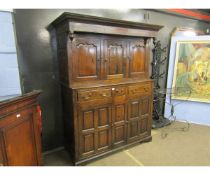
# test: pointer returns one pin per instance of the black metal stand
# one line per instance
(158, 119)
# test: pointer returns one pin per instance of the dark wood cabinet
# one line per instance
(106, 90)
(20, 143)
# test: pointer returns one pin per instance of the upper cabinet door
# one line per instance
(115, 56)
(86, 58)
(138, 64)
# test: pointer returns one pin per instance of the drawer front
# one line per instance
(141, 89)
(87, 95)
(104, 93)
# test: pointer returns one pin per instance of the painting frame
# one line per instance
(194, 85)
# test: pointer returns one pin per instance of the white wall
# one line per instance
(9, 74)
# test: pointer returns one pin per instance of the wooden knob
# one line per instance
(104, 95)
(18, 115)
(86, 97)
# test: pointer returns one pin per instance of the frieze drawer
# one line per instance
(142, 89)
(86, 95)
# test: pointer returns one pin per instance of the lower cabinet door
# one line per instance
(119, 119)
(19, 142)
(94, 130)
(103, 128)
(134, 114)
(145, 120)
(139, 122)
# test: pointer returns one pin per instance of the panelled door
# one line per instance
(119, 119)
(138, 118)
(86, 56)
(104, 128)
(115, 58)
(94, 130)
(138, 60)
(145, 121)
(134, 114)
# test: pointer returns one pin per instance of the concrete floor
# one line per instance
(171, 146)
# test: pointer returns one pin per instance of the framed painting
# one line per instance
(191, 79)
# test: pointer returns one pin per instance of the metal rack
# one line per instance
(159, 58)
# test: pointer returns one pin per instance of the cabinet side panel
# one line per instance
(68, 117)
(3, 160)
(62, 54)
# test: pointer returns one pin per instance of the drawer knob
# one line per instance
(18, 115)
(113, 89)
(104, 95)
(86, 97)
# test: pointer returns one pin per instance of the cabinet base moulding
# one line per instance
(86, 161)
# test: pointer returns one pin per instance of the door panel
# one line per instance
(103, 118)
(134, 109)
(119, 124)
(87, 146)
(134, 129)
(133, 119)
(137, 65)
(119, 113)
(87, 56)
(115, 58)
(86, 64)
(88, 142)
(143, 124)
(119, 135)
(95, 132)
(145, 106)
(88, 120)
(87, 134)
(19, 140)
(103, 139)
(103, 128)
(145, 113)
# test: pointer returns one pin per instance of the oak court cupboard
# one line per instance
(104, 77)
